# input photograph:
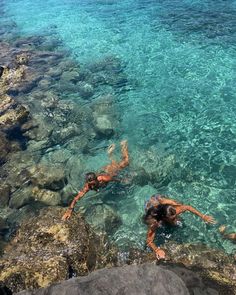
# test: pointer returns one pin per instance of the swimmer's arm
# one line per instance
(150, 242)
(150, 238)
(81, 193)
(206, 218)
(165, 201)
(79, 196)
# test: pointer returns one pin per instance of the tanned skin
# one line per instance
(102, 179)
(153, 224)
(231, 236)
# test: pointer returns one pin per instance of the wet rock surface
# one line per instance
(46, 250)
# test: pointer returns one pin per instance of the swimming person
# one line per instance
(160, 211)
(231, 236)
(95, 181)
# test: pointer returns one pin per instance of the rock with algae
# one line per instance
(46, 250)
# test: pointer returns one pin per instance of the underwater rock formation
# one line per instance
(12, 114)
(105, 118)
(153, 166)
(103, 218)
(48, 177)
(46, 250)
(4, 195)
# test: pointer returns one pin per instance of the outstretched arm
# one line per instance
(184, 208)
(150, 238)
(165, 201)
(69, 211)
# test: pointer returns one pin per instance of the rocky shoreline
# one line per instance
(46, 250)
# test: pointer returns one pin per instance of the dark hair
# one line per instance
(162, 211)
(90, 176)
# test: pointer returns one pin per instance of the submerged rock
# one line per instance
(11, 113)
(48, 177)
(103, 218)
(21, 197)
(4, 148)
(47, 197)
(4, 194)
(104, 116)
(153, 167)
(46, 250)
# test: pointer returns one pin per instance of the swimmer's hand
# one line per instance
(67, 215)
(209, 219)
(160, 254)
(222, 229)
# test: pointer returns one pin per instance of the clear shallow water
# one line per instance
(179, 103)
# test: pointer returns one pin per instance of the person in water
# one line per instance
(160, 211)
(95, 181)
(231, 236)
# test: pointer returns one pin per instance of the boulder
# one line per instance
(86, 90)
(142, 279)
(4, 148)
(48, 177)
(211, 265)
(154, 167)
(21, 198)
(128, 280)
(4, 194)
(103, 125)
(104, 116)
(46, 250)
(47, 197)
(103, 218)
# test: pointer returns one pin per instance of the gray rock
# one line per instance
(133, 280)
(21, 198)
(103, 218)
(4, 195)
(145, 279)
(48, 177)
(4, 148)
(104, 126)
(86, 90)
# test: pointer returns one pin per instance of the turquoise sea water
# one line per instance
(176, 102)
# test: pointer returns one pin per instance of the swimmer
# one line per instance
(231, 236)
(96, 181)
(160, 211)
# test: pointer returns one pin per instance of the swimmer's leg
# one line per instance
(125, 154)
(110, 151)
(231, 236)
(114, 167)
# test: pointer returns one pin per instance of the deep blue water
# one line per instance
(176, 100)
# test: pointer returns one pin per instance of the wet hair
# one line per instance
(159, 213)
(90, 176)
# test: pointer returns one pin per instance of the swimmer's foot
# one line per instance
(111, 149)
(124, 143)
